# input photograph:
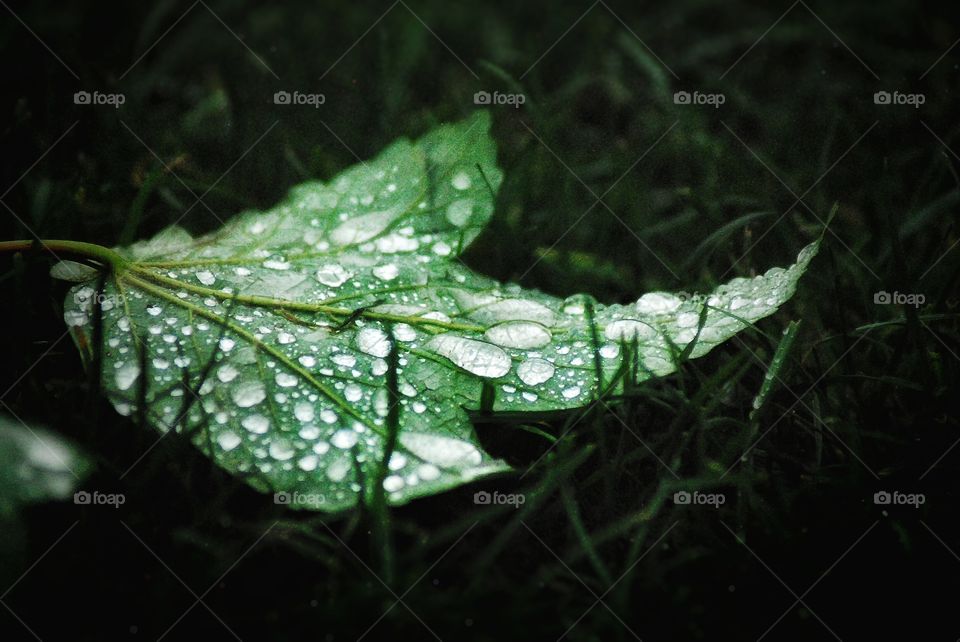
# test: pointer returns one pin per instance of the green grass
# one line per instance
(712, 198)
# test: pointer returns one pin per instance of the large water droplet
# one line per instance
(303, 411)
(535, 371)
(281, 450)
(333, 275)
(344, 359)
(461, 180)
(126, 375)
(658, 303)
(227, 373)
(459, 211)
(338, 469)
(628, 330)
(249, 393)
(374, 342)
(228, 440)
(393, 483)
(571, 392)
(386, 272)
(257, 424)
(519, 334)
(444, 452)
(352, 392)
(344, 438)
(476, 357)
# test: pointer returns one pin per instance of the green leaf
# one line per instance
(267, 341)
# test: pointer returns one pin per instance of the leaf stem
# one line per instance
(90, 251)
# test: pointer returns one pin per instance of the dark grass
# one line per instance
(876, 383)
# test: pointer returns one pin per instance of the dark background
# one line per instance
(696, 196)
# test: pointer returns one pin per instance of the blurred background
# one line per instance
(668, 146)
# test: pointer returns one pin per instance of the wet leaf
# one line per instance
(267, 341)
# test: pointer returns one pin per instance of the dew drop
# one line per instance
(609, 350)
(228, 440)
(352, 392)
(303, 411)
(658, 303)
(126, 375)
(338, 470)
(461, 180)
(374, 342)
(344, 438)
(628, 330)
(428, 472)
(281, 450)
(535, 371)
(476, 357)
(393, 483)
(404, 332)
(459, 211)
(332, 275)
(397, 461)
(445, 452)
(344, 359)
(519, 334)
(257, 424)
(227, 373)
(386, 272)
(249, 393)
(309, 432)
(571, 392)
